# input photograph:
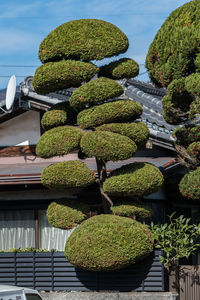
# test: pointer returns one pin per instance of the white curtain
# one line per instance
(17, 229)
(51, 237)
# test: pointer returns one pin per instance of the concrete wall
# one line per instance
(21, 130)
(108, 296)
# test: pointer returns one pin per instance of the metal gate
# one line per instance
(189, 282)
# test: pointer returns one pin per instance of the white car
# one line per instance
(9, 292)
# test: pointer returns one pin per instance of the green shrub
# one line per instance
(192, 84)
(107, 242)
(54, 76)
(136, 131)
(85, 39)
(177, 101)
(58, 141)
(122, 68)
(53, 118)
(194, 149)
(107, 145)
(132, 210)
(135, 179)
(29, 249)
(186, 136)
(189, 185)
(71, 112)
(173, 52)
(66, 214)
(95, 91)
(116, 111)
(66, 175)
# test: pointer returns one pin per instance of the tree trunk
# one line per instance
(102, 174)
(174, 285)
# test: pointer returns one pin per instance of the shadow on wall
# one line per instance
(144, 276)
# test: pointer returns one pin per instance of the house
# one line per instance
(23, 199)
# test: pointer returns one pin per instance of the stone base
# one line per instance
(108, 296)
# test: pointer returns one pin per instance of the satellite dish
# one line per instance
(10, 93)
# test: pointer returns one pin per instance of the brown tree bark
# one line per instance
(102, 175)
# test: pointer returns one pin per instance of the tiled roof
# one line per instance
(150, 99)
(144, 93)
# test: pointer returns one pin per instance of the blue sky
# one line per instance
(24, 24)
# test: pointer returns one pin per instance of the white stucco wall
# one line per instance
(21, 130)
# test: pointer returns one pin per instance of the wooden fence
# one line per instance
(50, 271)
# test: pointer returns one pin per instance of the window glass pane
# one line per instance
(51, 237)
(17, 229)
(33, 297)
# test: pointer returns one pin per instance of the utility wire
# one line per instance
(29, 66)
(86, 16)
(17, 66)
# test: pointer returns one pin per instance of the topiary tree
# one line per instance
(174, 52)
(97, 123)
(173, 61)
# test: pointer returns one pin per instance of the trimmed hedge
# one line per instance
(58, 115)
(71, 112)
(137, 131)
(186, 136)
(192, 84)
(58, 141)
(95, 91)
(131, 210)
(107, 145)
(194, 149)
(135, 179)
(122, 68)
(53, 118)
(177, 101)
(66, 214)
(66, 175)
(107, 242)
(64, 74)
(189, 185)
(173, 52)
(116, 111)
(85, 39)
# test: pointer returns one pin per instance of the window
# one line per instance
(17, 229)
(51, 237)
(30, 228)
(33, 297)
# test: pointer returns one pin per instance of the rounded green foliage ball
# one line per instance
(65, 107)
(95, 91)
(192, 84)
(58, 141)
(122, 68)
(66, 214)
(85, 39)
(136, 179)
(53, 118)
(186, 136)
(64, 74)
(107, 242)
(66, 175)
(173, 52)
(116, 111)
(136, 131)
(58, 115)
(131, 210)
(194, 149)
(107, 145)
(177, 101)
(189, 185)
